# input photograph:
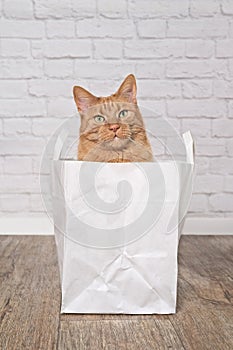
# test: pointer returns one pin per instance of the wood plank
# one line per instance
(208, 268)
(119, 334)
(30, 302)
(204, 313)
(29, 293)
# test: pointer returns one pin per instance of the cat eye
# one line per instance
(123, 113)
(99, 119)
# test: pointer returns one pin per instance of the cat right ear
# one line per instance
(128, 89)
(83, 98)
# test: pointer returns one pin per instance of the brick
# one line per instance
(156, 108)
(36, 165)
(59, 68)
(36, 203)
(229, 146)
(51, 88)
(224, 48)
(67, 48)
(105, 28)
(19, 184)
(200, 8)
(223, 89)
(154, 49)
(197, 68)
(199, 203)
(1, 165)
(230, 62)
(60, 29)
(37, 48)
(102, 70)
(16, 126)
(20, 68)
(197, 28)
(209, 147)
(108, 48)
(152, 108)
(196, 108)
(221, 165)
(44, 189)
(154, 70)
(83, 8)
(13, 202)
(158, 89)
(227, 7)
(111, 9)
(12, 9)
(22, 29)
(23, 108)
(57, 48)
(17, 165)
(61, 107)
(231, 29)
(21, 146)
(230, 109)
(13, 88)
(208, 184)
(221, 202)
(228, 183)
(102, 87)
(152, 28)
(45, 126)
(198, 127)
(199, 48)
(52, 9)
(159, 8)
(222, 128)
(158, 130)
(202, 164)
(15, 48)
(197, 88)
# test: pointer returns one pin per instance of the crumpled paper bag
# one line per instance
(117, 229)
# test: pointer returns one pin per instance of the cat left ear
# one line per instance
(83, 98)
(128, 89)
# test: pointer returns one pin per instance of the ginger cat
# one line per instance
(112, 128)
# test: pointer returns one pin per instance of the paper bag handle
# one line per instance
(189, 145)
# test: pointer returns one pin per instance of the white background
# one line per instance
(180, 51)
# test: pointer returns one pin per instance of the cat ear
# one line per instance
(128, 89)
(83, 98)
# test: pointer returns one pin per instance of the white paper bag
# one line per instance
(117, 229)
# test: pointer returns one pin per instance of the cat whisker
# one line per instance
(137, 142)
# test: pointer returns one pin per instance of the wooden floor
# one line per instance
(30, 302)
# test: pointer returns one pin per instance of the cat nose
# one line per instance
(114, 127)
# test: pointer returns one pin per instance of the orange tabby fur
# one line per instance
(120, 136)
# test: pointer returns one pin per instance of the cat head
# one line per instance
(112, 127)
(126, 93)
(110, 120)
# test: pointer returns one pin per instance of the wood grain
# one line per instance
(29, 293)
(30, 302)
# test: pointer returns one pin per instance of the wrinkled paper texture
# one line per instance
(123, 260)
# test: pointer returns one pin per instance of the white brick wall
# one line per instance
(181, 52)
